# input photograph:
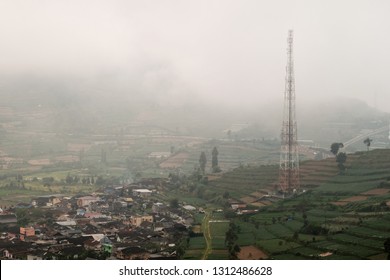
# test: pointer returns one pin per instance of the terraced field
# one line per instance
(312, 225)
(232, 154)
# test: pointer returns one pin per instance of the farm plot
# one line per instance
(280, 230)
(293, 225)
(193, 254)
(368, 232)
(346, 238)
(246, 239)
(276, 245)
(305, 251)
(175, 161)
(218, 228)
(377, 191)
(218, 231)
(351, 199)
(254, 231)
(345, 249)
(197, 243)
(347, 188)
(218, 254)
(379, 224)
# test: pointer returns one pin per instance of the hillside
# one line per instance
(338, 217)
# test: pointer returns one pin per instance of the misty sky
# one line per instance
(227, 50)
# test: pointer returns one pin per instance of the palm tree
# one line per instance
(367, 141)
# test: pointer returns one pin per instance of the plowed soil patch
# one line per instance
(251, 253)
(355, 198)
(376, 192)
(174, 161)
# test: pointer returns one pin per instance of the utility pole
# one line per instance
(289, 154)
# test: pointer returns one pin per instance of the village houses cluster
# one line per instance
(116, 222)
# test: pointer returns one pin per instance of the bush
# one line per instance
(313, 229)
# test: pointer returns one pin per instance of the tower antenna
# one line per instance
(289, 154)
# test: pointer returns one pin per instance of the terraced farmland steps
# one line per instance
(353, 208)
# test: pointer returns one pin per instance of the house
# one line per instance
(27, 232)
(67, 223)
(92, 245)
(7, 254)
(100, 221)
(159, 208)
(89, 229)
(47, 200)
(132, 253)
(94, 215)
(15, 250)
(80, 212)
(247, 211)
(159, 226)
(71, 252)
(118, 205)
(86, 200)
(138, 220)
(129, 201)
(142, 193)
(159, 155)
(126, 235)
(189, 207)
(236, 206)
(33, 257)
(107, 245)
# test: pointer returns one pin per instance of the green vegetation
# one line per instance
(334, 148)
(231, 238)
(343, 216)
(367, 141)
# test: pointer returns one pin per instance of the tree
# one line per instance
(174, 203)
(335, 147)
(23, 217)
(231, 238)
(341, 158)
(202, 162)
(47, 181)
(214, 161)
(367, 141)
(69, 179)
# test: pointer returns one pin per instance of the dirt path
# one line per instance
(207, 235)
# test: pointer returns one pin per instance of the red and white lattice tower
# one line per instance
(289, 155)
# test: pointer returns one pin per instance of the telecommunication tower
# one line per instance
(289, 155)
